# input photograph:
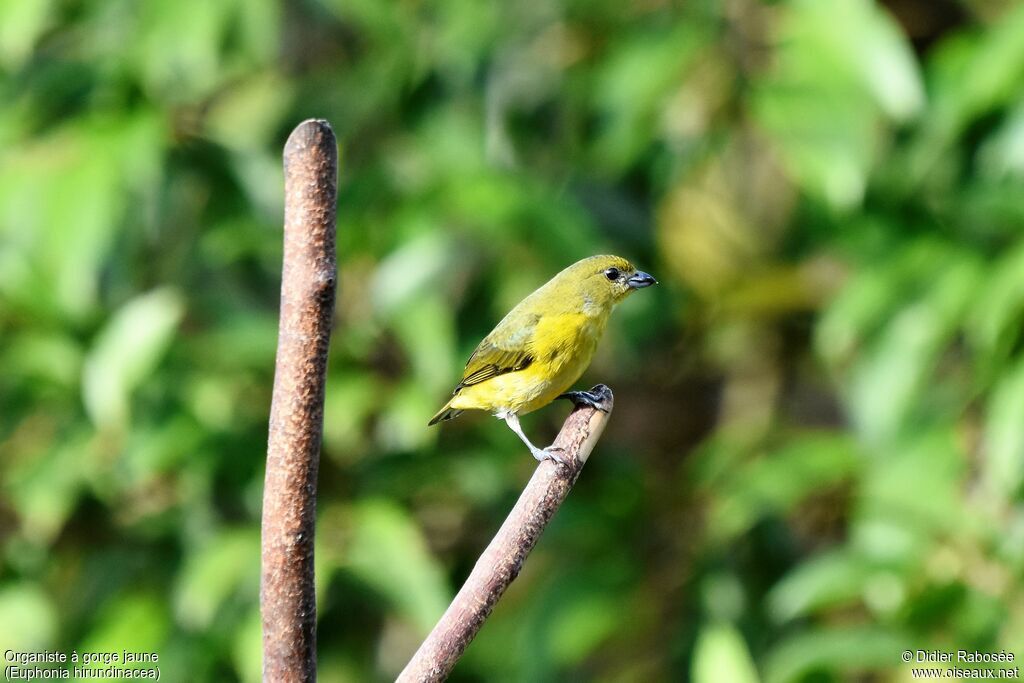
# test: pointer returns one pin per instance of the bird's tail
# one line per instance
(445, 413)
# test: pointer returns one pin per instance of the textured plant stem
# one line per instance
(287, 591)
(504, 557)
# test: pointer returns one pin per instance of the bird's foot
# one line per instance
(597, 397)
(549, 453)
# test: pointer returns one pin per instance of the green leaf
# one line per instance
(227, 564)
(864, 307)
(28, 618)
(126, 352)
(178, 47)
(774, 483)
(21, 25)
(134, 621)
(388, 553)
(998, 313)
(54, 251)
(910, 496)
(826, 580)
(45, 490)
(840, 67)
(419, 265)
(986, 72)
(402, 424)
(879, 53)
(841, 649)
(1001, 156)
(44, 356)
(633, 86)
(247, 116)
(351, 398)
(887, 384)
(247, 649)
(427, 331)
(581, 626)
(1004, 437)
(720, 654)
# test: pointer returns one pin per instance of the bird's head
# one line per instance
(606, 280)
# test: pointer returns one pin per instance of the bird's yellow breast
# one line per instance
(562, 347)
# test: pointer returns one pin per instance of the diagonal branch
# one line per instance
(287, 592)
(500, 563)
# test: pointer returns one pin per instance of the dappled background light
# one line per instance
(817, 451)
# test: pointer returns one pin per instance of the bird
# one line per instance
(544, 344)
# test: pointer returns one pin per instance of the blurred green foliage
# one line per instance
(816, 455)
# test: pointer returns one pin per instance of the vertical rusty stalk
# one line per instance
(287, 591)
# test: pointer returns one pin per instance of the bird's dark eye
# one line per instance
(612, 273)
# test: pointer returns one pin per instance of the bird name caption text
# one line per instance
(962, 664)
(49, 665)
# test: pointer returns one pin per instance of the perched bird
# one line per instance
(544, 344)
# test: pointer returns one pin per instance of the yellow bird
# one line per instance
(544, 344)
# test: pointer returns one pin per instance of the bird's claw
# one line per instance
(595, 398)
(542, 454)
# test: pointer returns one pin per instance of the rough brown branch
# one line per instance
(287, 593)
(504, 557)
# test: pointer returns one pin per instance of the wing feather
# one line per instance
(500, 352)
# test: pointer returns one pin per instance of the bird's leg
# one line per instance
(597, 397)
(541, 454)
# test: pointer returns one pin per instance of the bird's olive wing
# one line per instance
(491, 362)
(506, 349)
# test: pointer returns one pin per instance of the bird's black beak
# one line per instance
(640, 279)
